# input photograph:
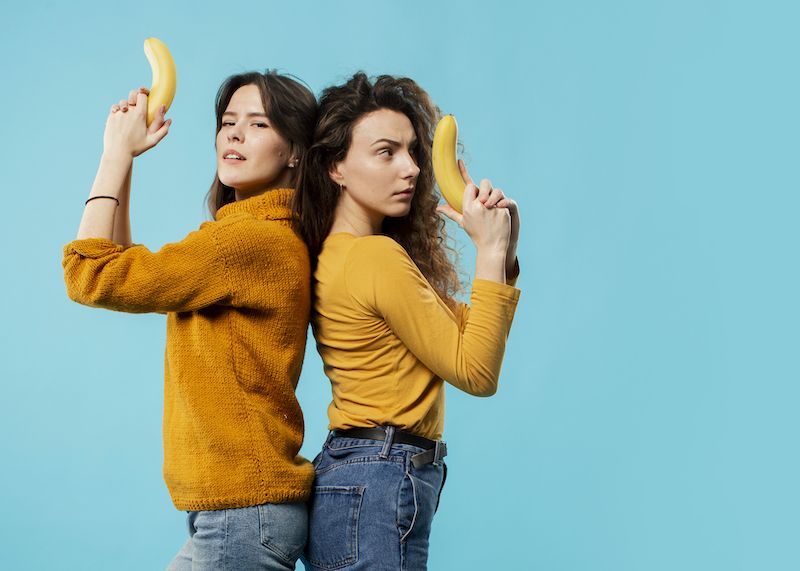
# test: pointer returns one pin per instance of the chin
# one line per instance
(399, 213)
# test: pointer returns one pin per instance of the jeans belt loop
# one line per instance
(437, 459)
(387, 444)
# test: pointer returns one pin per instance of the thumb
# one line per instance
(160, 133)
(158, 120)
(450, 212)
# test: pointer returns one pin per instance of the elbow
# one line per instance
(75, 292)
(486, 391)
(86, 292)
(78, 295)
(482, 387)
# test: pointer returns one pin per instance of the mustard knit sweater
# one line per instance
(236, 294)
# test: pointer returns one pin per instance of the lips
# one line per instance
(232, 155)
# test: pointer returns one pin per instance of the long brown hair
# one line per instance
(290, 107)
(422, 231)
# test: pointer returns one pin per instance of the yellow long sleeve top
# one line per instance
(237, 297)
(387, 339)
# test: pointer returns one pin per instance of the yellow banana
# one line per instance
(162, 89)
(445, 165)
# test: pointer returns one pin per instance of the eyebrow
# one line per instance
(393, 142)
(247, 115)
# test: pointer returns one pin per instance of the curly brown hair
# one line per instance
(422, 231)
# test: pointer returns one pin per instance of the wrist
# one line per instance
(117, 157)
(492, 253)
(490, 265)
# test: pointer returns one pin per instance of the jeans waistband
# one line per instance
(435, 450)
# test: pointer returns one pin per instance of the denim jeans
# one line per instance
(371, 508)
(268, 537)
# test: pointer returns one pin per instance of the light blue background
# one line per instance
(647, 415)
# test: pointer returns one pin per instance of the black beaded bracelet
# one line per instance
(114, 198)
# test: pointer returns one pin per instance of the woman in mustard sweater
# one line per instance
(385, 321)
(236, 295)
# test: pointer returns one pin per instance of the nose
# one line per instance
(234, 133)
(410, 168)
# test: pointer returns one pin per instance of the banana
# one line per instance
(162, 89)
(445, 165)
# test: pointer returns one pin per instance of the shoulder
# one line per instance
(243, 226)
(376, 251)
(380, 258)
(245, 239)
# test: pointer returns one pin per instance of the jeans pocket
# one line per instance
(284, 528)
(407, 507)
(333, 526)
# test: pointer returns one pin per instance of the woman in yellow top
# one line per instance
(236, 294)
(385, 321)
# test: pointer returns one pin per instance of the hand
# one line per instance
(486, 223)
(126, 127)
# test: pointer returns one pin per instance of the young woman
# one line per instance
(236, 294)
(385, 322)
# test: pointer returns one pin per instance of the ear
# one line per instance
(335, 172)
(294, 155)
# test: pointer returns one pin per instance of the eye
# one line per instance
(227, 123)
(260, 125)
(386, 151)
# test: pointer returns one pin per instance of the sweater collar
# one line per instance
(274, 204)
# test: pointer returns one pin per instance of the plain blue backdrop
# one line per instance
(647, 415)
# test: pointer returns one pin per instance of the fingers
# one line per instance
(507, 203)
(470, 194)
(132, 96)
(161, 132)
(464, 174)
(141, 101)
(495, 197)
(451, 213)
(485, 190)
(158, 120)
(489, 196)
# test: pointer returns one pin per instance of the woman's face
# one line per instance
(251, 156)
(379, 172)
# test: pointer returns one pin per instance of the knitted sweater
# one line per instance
(387, 340)
(236, 294)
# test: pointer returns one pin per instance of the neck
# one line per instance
(284, 181)
(354, 219)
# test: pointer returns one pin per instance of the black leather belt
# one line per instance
(435, 450)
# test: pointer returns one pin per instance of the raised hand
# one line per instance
(490, 198)
(126, 130)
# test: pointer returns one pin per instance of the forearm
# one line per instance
(122, 220)
(99, 214)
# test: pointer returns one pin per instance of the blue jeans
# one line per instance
(268, 537)
(371, 508)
